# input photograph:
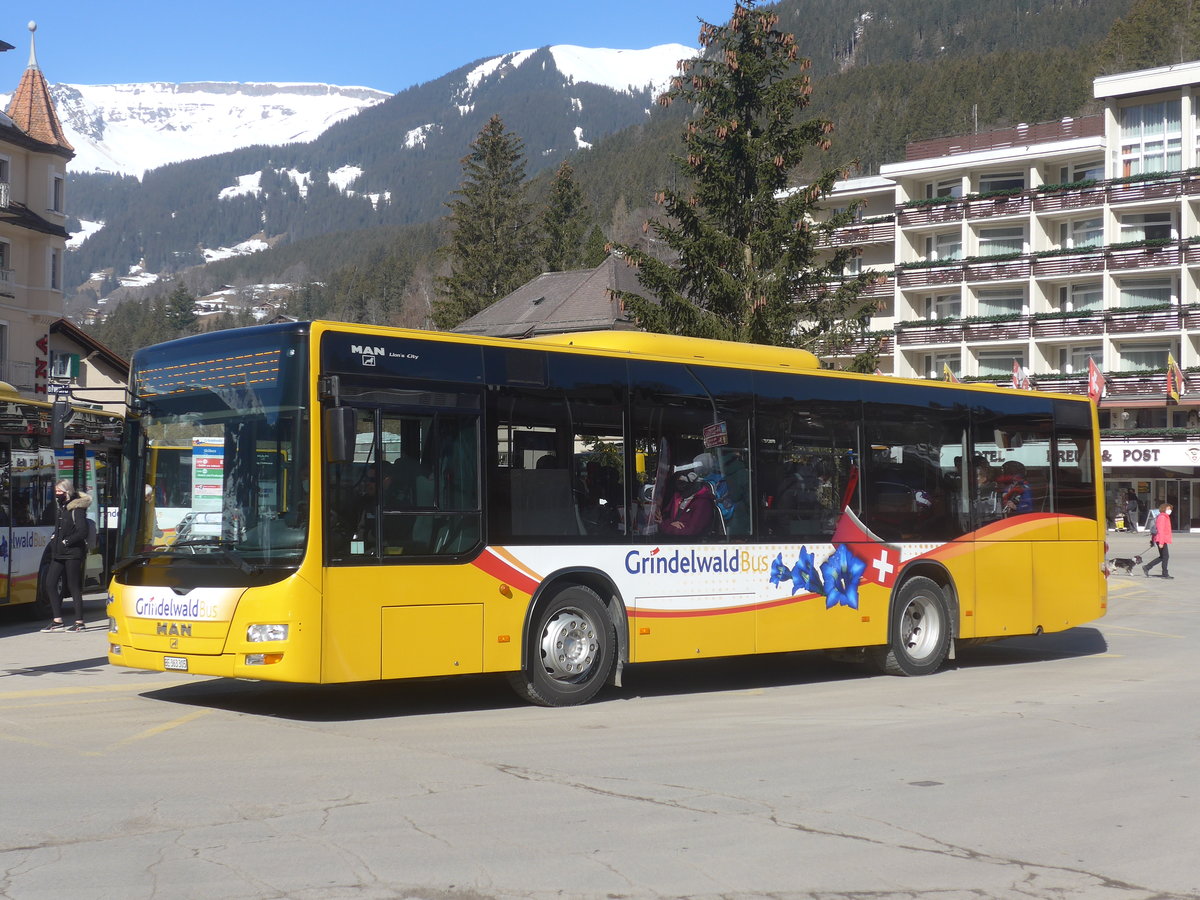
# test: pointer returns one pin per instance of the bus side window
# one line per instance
(912, 488)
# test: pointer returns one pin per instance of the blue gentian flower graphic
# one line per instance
(843, 571)
(779, 571)
(805, 573)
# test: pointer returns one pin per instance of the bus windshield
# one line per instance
(215, 463)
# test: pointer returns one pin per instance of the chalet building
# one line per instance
(1034, 249)
(33, 160)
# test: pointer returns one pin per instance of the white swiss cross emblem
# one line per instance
(881, 566)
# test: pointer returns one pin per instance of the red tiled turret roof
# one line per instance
(32, 108)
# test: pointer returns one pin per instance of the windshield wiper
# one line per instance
(226, 547)
(128, 561)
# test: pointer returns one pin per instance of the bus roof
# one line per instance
(684, 348)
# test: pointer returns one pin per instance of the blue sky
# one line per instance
(384, 44)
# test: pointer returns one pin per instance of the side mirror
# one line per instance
(60, 415)
(339, 434)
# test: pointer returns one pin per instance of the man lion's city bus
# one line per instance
(370, 503)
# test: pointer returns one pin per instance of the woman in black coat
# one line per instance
(68, 550)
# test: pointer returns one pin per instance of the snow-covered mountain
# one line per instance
(273, 164)
(131, 128)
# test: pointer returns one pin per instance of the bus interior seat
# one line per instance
(543, 502)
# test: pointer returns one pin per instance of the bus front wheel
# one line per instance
(918, 630)
(570, 650)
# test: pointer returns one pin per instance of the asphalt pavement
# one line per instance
(1064, 767)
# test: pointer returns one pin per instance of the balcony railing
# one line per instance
(1066, 200)
(1133, 321)
(1081, 264)
(1120, 386)
(1114, 191)
(1143, 258)
(1017, 329)
(1082, 326)
(935, 214)
(1018, 136)
(1092, 324)
(986, 207)
(995, 271)
(949, 333)
(874, 233)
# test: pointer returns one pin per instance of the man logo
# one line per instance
(366, 350)
(173, 629)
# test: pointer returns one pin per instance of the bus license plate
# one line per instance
(178, 663)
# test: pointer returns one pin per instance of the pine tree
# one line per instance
(595, 248)
(564, 222)
(180, 309)
(748, 268)
(493, 242)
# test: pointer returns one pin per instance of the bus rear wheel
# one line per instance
(570, 650)
(918, 630)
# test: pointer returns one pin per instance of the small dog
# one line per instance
(1126, 564)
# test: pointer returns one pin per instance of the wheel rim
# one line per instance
(570, 645)
(920, 628)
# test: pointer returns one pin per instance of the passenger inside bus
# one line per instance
(690, 509)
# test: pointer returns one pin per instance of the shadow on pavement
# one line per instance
(73, 665)
(379, 700)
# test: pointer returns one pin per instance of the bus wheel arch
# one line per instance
(572, 642)
(921, 623)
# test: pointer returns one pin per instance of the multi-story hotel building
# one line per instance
(1046, 245)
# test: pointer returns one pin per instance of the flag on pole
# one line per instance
(1175, 382)
(1095, 383)
(947, 374)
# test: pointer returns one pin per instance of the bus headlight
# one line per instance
(112, 625)
(257, 633)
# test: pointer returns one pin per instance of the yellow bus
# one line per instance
(557, 509)
(29, 467)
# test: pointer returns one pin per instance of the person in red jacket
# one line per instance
(690, 511)
(1160, 537)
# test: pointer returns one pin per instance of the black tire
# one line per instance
(569, 651)
(918, 629)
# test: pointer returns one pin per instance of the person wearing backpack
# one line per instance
(1160, 537)
(68, 549)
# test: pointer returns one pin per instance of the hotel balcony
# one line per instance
(860, 233)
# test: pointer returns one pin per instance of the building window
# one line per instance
(951, 187)
(1001, 181)
(943, 306)
(1092, 170)
(944, 246)
(1073, 360)
(852, 267)
(1153, 226)
(1146, 291)
(56, 270)
(1082, 297)
(1143, 357)
(58, 194)
(999, 362)
(1151, 138)
(937, 363)
(997, 241)
(1080, 233)
(1002, 301)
